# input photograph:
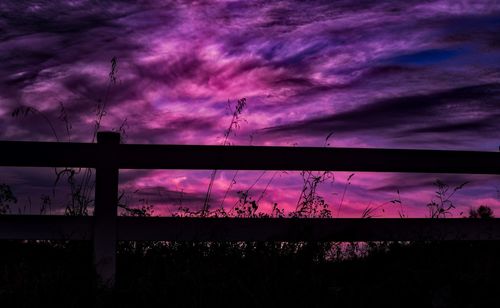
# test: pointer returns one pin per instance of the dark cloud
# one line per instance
(484, 125)
(50, 31)
(162, 195)
(172, 130)
(417, 182)
(391, 117)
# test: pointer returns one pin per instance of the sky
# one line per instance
(383, 74)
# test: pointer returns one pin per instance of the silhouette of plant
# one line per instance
(441, 205)
(7, 198)
(146, 209)
(347, 184)
(401, 212)
(233, 125)
(24, 111)
(310, 203)
(81, 181)
(276, 212)
(370, 212)
(483, 211)
(46, 203)
(246, 206)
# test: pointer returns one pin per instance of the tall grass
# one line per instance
(233, 125)
(80, 181)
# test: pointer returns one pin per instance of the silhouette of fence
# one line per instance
(107, 156)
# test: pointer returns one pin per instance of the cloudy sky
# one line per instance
(395, 74)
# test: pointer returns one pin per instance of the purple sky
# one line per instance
(397, 74)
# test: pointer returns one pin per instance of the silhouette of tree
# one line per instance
(6, 198)
(482, 211)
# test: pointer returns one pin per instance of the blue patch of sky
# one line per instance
(427, 57)
(474, 24)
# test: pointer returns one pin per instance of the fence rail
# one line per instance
(144, 156)
(108, 156)
(31, 227)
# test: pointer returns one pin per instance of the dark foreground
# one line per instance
(439, 274)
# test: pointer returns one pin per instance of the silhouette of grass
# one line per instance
(81, 181)
(233, 125)
(250, 274)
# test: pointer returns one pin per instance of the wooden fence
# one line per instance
(107, 156)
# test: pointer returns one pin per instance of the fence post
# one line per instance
(106, 201)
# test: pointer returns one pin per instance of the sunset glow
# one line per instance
(399, 74)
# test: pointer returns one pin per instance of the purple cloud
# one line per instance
(377, 74)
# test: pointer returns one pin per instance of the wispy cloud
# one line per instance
(375, 73)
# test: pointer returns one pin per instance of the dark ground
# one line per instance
(438, 274)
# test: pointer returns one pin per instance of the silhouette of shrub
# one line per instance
(482, 211)
(7, 198)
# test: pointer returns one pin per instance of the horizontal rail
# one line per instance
(36, 227)
(137, 156)
(252, 229)
(108, 156)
